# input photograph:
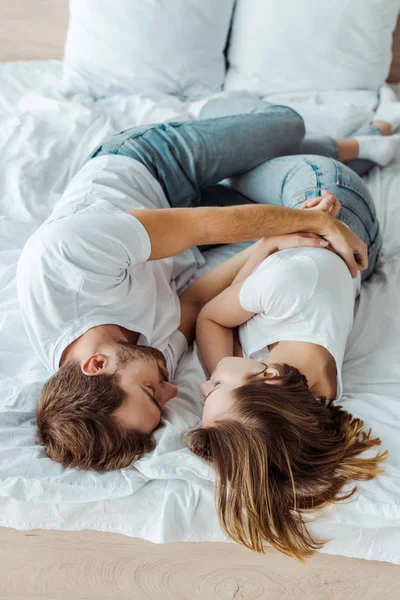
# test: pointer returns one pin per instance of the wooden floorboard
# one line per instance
(87, 565)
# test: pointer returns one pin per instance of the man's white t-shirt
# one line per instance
(303, 295)
(87, 265)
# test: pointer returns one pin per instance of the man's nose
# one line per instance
(170, 391)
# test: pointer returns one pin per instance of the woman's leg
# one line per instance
(189, 156)
(290, 180)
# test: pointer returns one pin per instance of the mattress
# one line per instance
(168, 496)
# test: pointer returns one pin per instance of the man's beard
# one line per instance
(127, 352)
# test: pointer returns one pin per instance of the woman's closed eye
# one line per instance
(215, 383)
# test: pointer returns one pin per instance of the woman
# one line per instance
(280, 446)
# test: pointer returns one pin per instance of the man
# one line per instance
(98, 282)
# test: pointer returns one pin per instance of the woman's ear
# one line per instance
(269, 373)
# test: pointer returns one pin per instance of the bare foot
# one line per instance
(384, 126)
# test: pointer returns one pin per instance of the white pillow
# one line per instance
(129, 46)
(289, 45)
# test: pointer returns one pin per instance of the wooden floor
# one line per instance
(85, 565)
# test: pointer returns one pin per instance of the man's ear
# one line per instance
(269, 373)
(95, 365)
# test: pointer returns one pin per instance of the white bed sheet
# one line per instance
(168, 495)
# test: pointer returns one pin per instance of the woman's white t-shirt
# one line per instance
(87, 265)
(302, 295)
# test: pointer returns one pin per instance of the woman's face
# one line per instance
(230, 373)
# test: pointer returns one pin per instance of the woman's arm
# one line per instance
(215, 323)
(209, 285)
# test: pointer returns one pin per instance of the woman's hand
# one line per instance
(327, 203)
(267, 246)
(295, 240)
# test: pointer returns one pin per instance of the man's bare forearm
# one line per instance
(247, 222)
(173, 230)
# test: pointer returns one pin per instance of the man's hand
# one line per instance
(327, 202)
(346, 244)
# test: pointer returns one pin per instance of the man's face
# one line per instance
(143, 376)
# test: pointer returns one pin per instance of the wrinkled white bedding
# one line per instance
(168, 495)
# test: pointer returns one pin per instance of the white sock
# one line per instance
(390, 112)
(380, 149)
(387, 95)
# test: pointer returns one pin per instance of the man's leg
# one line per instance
(345, 150)
(189, 156)
(237, 104)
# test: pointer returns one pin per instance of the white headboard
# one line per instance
(36, 29)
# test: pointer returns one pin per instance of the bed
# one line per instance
(61, 530)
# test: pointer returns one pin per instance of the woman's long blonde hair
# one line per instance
(280, 454)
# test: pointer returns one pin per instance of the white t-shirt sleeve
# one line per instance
(176, 348)
(279, 286)
(99, 240)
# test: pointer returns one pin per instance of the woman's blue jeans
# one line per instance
(263, 153)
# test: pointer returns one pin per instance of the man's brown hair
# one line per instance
(76, 426)
(279, 455)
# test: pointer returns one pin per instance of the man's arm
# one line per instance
(173, 230)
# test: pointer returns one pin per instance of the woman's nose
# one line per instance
(204, 387)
